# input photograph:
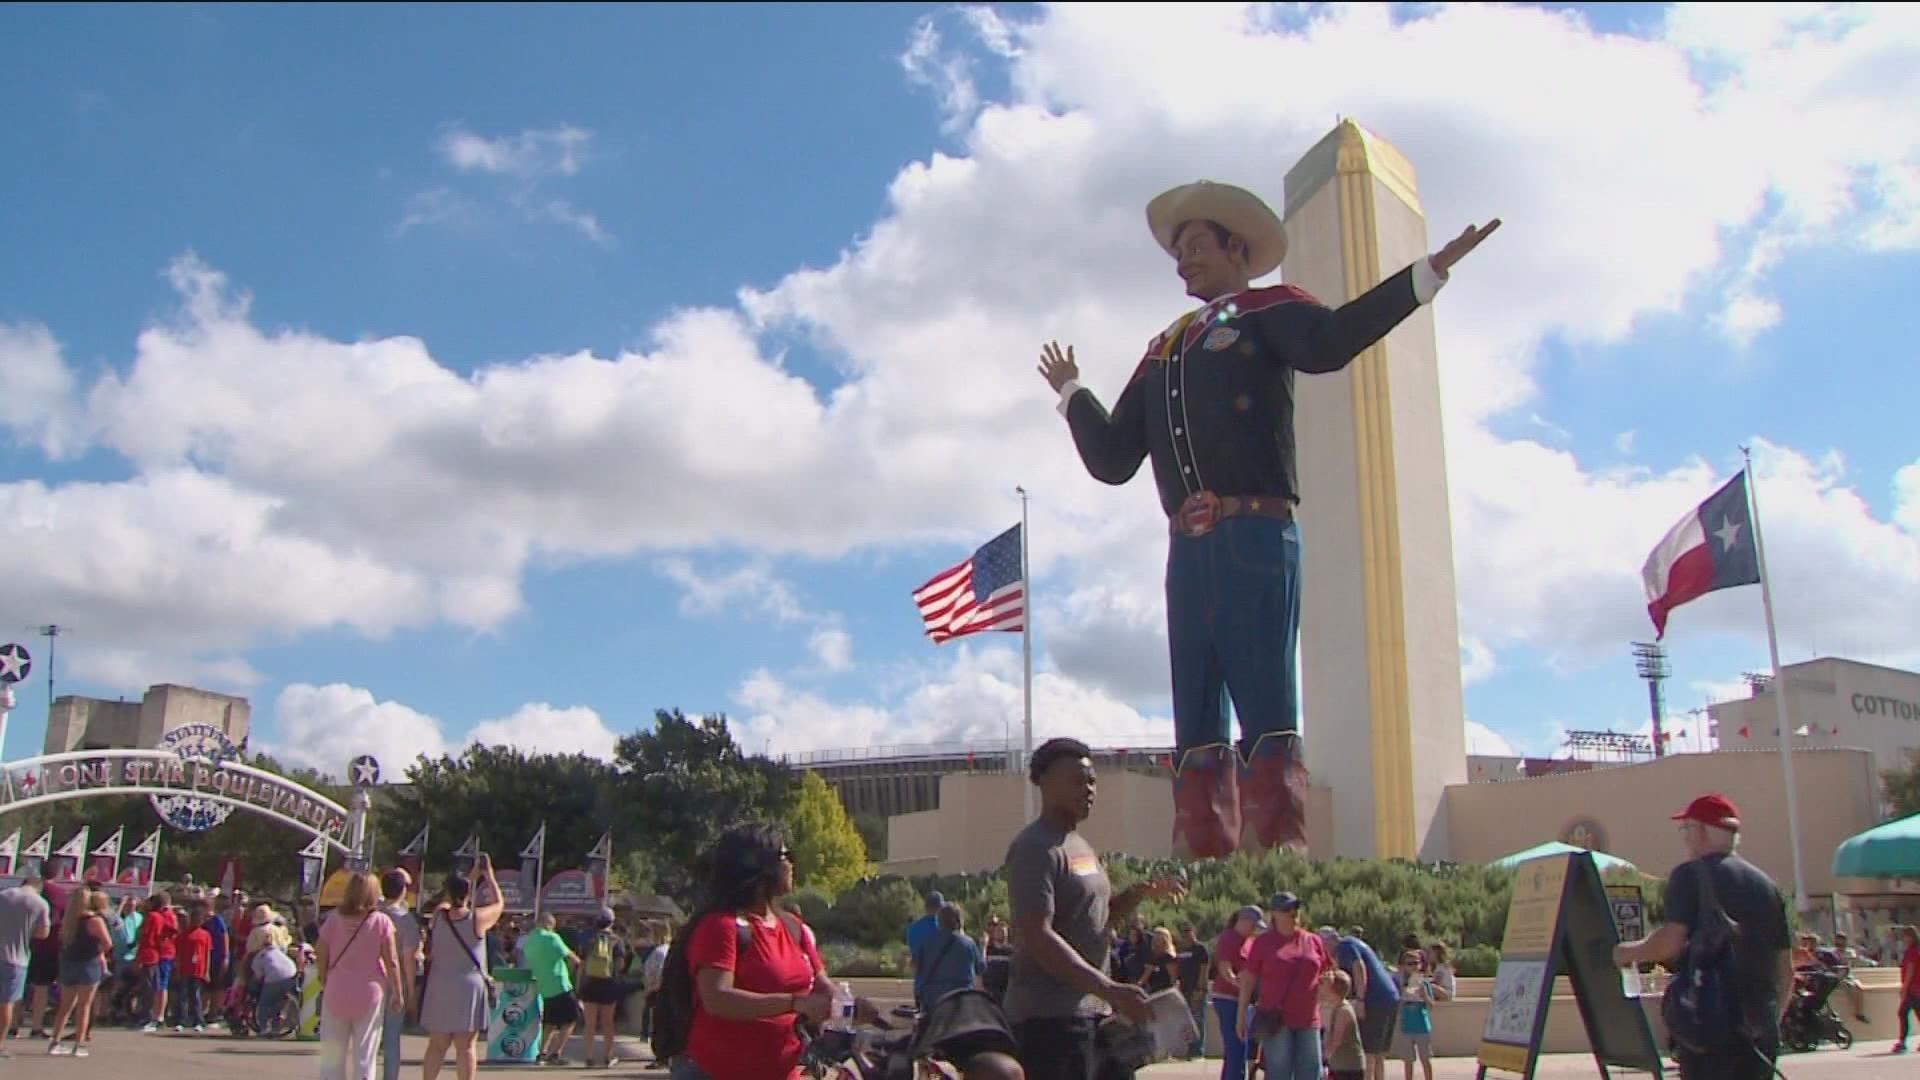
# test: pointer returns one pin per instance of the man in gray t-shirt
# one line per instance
(24, 918)
(1063, 908)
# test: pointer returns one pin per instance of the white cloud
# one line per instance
(1668, 174)
(439, 206)
(947, 72)
(753, 586)
(974, 698)
(560, 150)
(832, 649)
(1477, 662)
(1483, 741)
(542, 728)
(519, 168)
(1623, 442)
(325, 727)
(36, 390)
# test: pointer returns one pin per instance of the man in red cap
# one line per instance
(1714, 880)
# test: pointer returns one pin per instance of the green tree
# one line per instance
(1903, 787)
(828, 853)
(683, 783)
(502, 795)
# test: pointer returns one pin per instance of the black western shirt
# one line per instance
(1212, 400)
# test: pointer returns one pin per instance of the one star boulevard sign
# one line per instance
(79, 774)
(365, 771)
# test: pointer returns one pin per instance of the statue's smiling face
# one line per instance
(1210, 260)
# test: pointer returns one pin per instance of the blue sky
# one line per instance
(427, 374)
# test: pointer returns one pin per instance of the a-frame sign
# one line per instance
(1560, 922)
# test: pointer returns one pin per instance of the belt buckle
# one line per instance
(1199, 514)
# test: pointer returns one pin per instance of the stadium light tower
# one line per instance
(1651, 660)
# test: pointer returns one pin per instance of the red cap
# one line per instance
(1712, 809)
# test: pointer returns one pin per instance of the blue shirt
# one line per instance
(941, 968)
(216, 928)
(1416, 1018)
(918, 931)
(1382, 988)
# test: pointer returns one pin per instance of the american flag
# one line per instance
(986, 592)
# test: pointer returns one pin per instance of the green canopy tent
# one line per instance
(1884, 851)
(1601, 859)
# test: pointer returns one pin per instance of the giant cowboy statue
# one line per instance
(1212, 404)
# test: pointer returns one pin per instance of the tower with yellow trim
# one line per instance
(1380, 689)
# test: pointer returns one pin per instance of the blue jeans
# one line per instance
(267, 1009)
(394, 1025)
(1292, 1054)
(1233, 621)
(1233, 1052)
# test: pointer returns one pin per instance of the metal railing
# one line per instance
(979, 748)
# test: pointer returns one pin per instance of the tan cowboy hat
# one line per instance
(1236, 209)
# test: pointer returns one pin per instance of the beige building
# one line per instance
(83, 723)
(1624, 810)
(1379, 624)
(1830, 702)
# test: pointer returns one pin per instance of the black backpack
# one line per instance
(673, 1009)
(1701, 1006)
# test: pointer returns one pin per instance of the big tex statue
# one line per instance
(1212, 404)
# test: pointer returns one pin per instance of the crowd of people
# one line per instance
(71, 957)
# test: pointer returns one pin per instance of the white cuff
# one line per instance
(1066, 394)
(1426, 281)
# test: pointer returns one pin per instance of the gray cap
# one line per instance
(1283, 901)
(1250, 912)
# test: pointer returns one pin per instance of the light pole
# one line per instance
(1651, 661)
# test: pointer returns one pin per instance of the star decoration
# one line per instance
(366, 771)
(1728, 532)
(14, 663)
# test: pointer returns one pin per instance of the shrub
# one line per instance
(1477, 961)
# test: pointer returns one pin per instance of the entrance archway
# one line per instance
(83, 774)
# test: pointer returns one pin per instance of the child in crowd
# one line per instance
(1341, 1046)
(195, 959)
(1416, 1013)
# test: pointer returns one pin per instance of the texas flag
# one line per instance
(1711, 548)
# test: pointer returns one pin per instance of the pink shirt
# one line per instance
(356, 982)
(1287, 970)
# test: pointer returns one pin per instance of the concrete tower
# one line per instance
(1380, 637)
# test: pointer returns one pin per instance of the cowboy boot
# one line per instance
(1273, 792)
(1206, 803)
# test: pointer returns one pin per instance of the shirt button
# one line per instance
(1188, 470)
(1175, 393)
(1178, 431)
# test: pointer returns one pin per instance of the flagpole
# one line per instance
(1779, 688)
(1026, 648)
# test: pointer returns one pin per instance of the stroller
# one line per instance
(1809, 1019)
(960, 1025)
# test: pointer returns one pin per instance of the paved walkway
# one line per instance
(120, 1054)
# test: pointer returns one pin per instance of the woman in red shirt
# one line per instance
(1909, 982)
(755, 969)
(1229, 957)
(1284, 966)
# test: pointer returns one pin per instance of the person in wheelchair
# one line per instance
(947, 959)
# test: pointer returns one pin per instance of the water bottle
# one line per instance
(842, 1018)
